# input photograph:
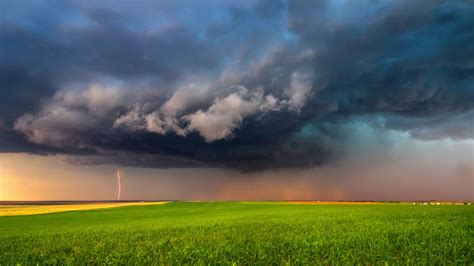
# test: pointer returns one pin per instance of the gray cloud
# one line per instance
(252, 85)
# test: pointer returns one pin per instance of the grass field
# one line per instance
(242, 233)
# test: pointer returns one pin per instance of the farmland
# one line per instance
(13, 209)
(242, 233)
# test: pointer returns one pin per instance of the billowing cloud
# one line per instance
(249, 85)
(224, 115)
(299, 91)
(221, 118)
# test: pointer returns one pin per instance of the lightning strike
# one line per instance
(119, 185)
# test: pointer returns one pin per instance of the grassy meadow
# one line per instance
(242, 233)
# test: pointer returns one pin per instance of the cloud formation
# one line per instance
(249, 85)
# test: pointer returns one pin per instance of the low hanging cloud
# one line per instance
(222, 117)
(299, 91)
(69, 112)
(266, 84)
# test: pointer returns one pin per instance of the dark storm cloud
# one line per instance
(249, 85)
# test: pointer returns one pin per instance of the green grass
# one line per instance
(242, 233)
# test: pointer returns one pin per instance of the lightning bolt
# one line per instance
(119, 185)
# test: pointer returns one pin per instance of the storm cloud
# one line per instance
(247, 85)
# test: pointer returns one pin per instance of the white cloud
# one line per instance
(132, 120)
(165, 119)
(71, 111)
(270, 103)
(184, 98)
(138, 119)
(221, 118)
(300, 90)
(56, 126)
(99, 100)
(217, 122)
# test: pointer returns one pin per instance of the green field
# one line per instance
(242, 233)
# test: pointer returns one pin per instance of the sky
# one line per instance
(237, 100)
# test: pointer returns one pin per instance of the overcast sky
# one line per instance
(337, 99)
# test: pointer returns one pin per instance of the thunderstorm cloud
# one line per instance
(247, 85)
